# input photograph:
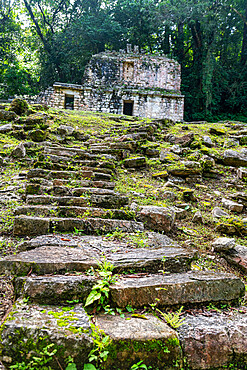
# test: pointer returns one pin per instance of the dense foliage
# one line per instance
(42, 41)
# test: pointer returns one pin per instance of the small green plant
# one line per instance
(139, 239)
(100, 291)
(211, 306)
(70, 364)
(140, 365)
(113, 311)
(116, 235)
(89, 367)
(130, 309)
(173, 318)
(77, 231)
(99, 353)
(40, 361)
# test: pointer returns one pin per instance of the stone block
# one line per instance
(149, 340)
(177, 289)
(157, 218)
(6, 115)
(223, 244)
(217, 212)
(27, 225)
(30, 328)
(54, 289)
(232, 206)
(235, 159)
(135, 162)
(242, 173)
(214, 342)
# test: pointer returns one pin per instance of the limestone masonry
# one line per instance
(124, 83)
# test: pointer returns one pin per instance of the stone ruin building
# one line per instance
(129, 83)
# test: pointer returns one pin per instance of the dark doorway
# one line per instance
(128, 108)
(69, 102)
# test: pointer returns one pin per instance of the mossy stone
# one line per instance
(19, 106)
(37, 135)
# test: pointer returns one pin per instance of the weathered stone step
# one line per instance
(128, 145)
(77, 192)
(94, 173)
(66, 177)
(55, 290)
(133, 339)
(28, 225)
(102, 150)
(234, 158)
(61, 201)
(58, 174)
(103, 170)
(99, 145)
(59, 254)
(215, 341)
(48, 160)
(104, 201)
(69, 152)
(71, 183)
(87, 162)
(74, 211)
(103, 244)
(36, 188)
(41, 172)
(177, 289)
(85, 183)
(69, 332)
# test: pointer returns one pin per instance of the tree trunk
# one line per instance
(197, 47)
(166, 41)
(180, 43)
(244, 41)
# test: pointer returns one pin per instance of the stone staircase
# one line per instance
(70, 216)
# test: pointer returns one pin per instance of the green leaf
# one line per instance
(71, 367)
(139, 316)
(104, 354)
(100, 285)
(93, 296)
(105, 339)
(89, 367)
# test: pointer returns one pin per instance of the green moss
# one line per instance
(19, 106)
(162, 352)
(232, 226)
(162, 174)
(196, 144)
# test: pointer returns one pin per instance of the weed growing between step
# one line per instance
(99, 353)
(137, 240)
(100, 291)
(40, 355)
(172, 318)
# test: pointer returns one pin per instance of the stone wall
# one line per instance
(46, 97)
(149, 84)
(63, 90)
(137, 70)
(150, 105)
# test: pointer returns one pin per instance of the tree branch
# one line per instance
(60, 5)
(238, 13)
(44, 18)
(30, 11)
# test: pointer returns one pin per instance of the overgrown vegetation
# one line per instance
(53, 41)
(186, 195)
